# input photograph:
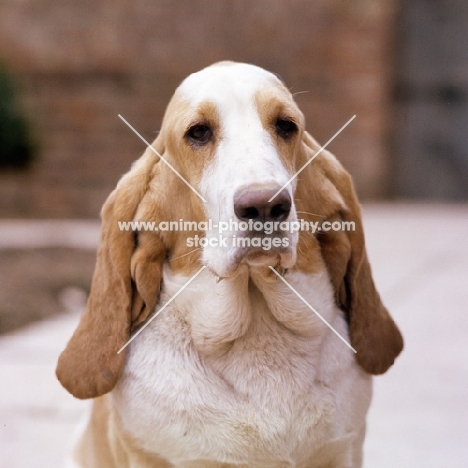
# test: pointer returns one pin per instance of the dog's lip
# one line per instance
(255, 258)
(261, 258)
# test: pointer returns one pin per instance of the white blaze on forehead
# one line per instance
(226, 83)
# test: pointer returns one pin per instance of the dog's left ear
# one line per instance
(373, 332)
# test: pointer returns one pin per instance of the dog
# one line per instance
(252, 344)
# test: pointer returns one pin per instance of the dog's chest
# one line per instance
(259, 397)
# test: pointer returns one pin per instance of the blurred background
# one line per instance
(68, 68)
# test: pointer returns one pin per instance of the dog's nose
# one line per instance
(253, 204)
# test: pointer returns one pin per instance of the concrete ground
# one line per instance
(419, 415)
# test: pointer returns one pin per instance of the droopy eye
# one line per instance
(200, 134)
(285, 128)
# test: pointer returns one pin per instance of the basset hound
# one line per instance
(240, 361)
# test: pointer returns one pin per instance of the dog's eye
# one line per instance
(285, 128)
(200, 134)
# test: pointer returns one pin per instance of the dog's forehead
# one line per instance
(226, 81)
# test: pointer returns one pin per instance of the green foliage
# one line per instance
(16, 146)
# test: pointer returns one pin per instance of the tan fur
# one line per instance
(373, 332)
(129, 275)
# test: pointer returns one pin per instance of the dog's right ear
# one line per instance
(372, 331)
(120, 298)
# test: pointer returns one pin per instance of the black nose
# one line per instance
(253, 204)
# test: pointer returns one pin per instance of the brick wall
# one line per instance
(82, 62)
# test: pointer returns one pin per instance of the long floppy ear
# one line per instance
(122, 295)
(373, 332)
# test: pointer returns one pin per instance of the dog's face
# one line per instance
(234, 132)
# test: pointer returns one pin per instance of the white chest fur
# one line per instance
(242, 371)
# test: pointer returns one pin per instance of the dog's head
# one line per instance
(235, 156)
(234, 132)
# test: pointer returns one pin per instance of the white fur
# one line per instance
(282, 391)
